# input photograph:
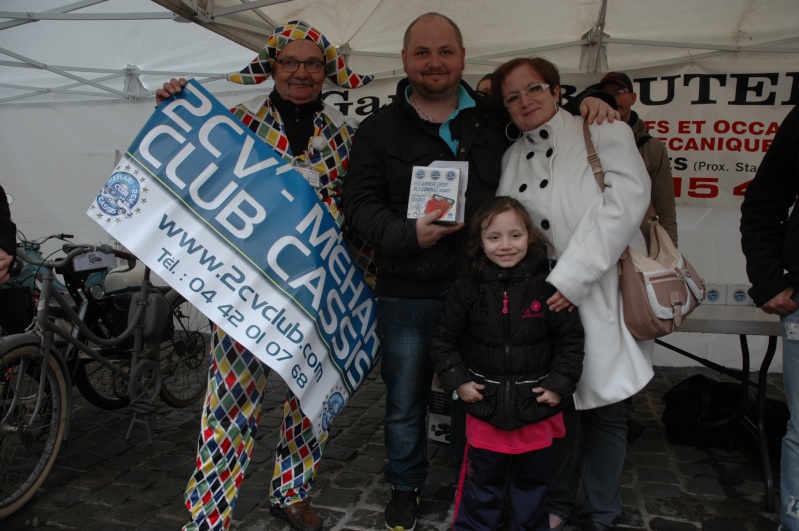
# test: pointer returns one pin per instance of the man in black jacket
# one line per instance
(770, 242)
(8, 238)
(434, 117)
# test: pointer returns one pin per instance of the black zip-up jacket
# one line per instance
(377, 188)
(769, 235)
(8, 231)
(510, 352)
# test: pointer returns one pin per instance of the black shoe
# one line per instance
(402, 509)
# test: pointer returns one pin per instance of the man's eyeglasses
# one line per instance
(532, 90)
(618, 92)
(312, 66)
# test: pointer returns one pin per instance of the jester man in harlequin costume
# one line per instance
(316, 139)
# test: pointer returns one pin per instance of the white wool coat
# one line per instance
(547, 171)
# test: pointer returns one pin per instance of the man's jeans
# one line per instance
(404, 327)
(789, 466)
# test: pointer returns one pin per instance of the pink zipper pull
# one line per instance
(505, 302)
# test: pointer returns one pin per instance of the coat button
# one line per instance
(530, 155)
(545, 224)
(523, 187)
(544, 134)
(549, 152)
(544, 183)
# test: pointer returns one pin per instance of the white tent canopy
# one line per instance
(125, 48)
(635, 33)
(102, 50)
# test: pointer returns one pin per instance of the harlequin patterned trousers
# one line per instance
(236, 387)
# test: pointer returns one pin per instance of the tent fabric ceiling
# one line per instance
(54, 50)
(64, 51)
(637, 33)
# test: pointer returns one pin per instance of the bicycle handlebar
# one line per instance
(36, 244)
(73, 250)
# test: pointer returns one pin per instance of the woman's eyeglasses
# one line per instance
(532, 90)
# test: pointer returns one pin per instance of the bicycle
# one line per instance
(35, 377)
(183, 344)
(183, 348)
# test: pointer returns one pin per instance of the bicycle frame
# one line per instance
(142, 324)
(40, 365)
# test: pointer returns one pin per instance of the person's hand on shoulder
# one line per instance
(170, 88)
(558, 302)
(594, 108)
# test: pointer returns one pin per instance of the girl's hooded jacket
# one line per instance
(497, 330)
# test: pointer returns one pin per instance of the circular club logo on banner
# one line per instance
(120, 195)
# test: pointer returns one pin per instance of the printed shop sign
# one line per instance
(717, 122)
(717, 119)
(215, 212)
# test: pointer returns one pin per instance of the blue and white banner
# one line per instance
(215, 212)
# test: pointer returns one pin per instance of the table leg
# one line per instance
(760, 428)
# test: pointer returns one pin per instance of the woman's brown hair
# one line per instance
(546, 69)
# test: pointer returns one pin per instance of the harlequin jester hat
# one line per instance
(336, 69)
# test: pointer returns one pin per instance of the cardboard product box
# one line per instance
(438, 422)
(440, 402)
(439, 427)
(715, 294)
(434, 188)
(738, 295)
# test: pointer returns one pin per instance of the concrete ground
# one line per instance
(101, 481)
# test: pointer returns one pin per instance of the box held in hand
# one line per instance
(438, 423)
(434, 188)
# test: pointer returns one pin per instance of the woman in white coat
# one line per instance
(547, 170)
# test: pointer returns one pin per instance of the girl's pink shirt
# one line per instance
(481, 434)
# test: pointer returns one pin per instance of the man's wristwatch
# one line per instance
(455, 394)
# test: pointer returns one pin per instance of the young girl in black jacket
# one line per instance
(513, 363)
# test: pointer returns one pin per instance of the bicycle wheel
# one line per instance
(183, 355)
(28, 445)
(99, 385)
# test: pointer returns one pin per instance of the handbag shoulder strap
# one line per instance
(599, 173)
(593, 158)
